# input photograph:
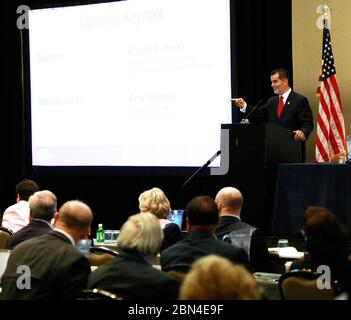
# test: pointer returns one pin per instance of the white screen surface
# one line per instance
(130, 83)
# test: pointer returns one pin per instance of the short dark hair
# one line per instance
(202, 210)
(26, 188)
(283, 73)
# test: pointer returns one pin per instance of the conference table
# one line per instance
(299, 186)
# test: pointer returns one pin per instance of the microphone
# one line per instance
(208, 162)
(246, 118)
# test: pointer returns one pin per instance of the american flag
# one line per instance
(330, 140)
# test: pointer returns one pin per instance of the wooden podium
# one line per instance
(250, 154)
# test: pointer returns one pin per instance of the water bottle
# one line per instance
(100, 233)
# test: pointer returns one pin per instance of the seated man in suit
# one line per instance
(50, 267)
(131, 275)
(229, 201)
(42, 207)
(201, 220)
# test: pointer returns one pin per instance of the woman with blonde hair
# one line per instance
(216, 278)
(156, 202)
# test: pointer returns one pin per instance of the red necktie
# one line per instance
(280, 106)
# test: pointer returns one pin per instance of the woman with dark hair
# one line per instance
(327, 243)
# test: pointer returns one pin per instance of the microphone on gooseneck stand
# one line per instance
(246, 118)
(202, 168)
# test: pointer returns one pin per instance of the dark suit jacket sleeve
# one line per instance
(256, 116)
(74, 279)
(239, 255)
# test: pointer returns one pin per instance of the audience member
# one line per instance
(229, 202)
(131, 275)
(216, 278)
(42, 207)
(327, 243)
(55, 269)
(201, 220)
(156, 202)
(17, 216)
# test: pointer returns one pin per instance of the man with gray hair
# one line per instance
(131, 275)
(50, 267)
(42, 207)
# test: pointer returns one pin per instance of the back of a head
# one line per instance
(156, 202)
(141, 233)
(43, 205)
(26, 188)
(216, 278)
(326, 236)
(230, 199)
(202, 211)
(75, 215)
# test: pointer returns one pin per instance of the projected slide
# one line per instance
(130, 83)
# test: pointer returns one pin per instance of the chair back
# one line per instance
(4, 235)
(180, 267)
(4, 256)
(303, 285)
(98, 294)
(176, 274)
(177, 271)
(240, 238)
(100, 259)
(101, 250)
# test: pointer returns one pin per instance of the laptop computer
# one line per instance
(176, 216)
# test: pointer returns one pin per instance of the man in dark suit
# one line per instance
(287, 109)
(42, 207)
(131, 275)
(229, 201)
(201, 220)
(50, 267)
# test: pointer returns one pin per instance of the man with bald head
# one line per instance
(50, 267)
(229, 201)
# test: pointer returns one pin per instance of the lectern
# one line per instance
(249, 155)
